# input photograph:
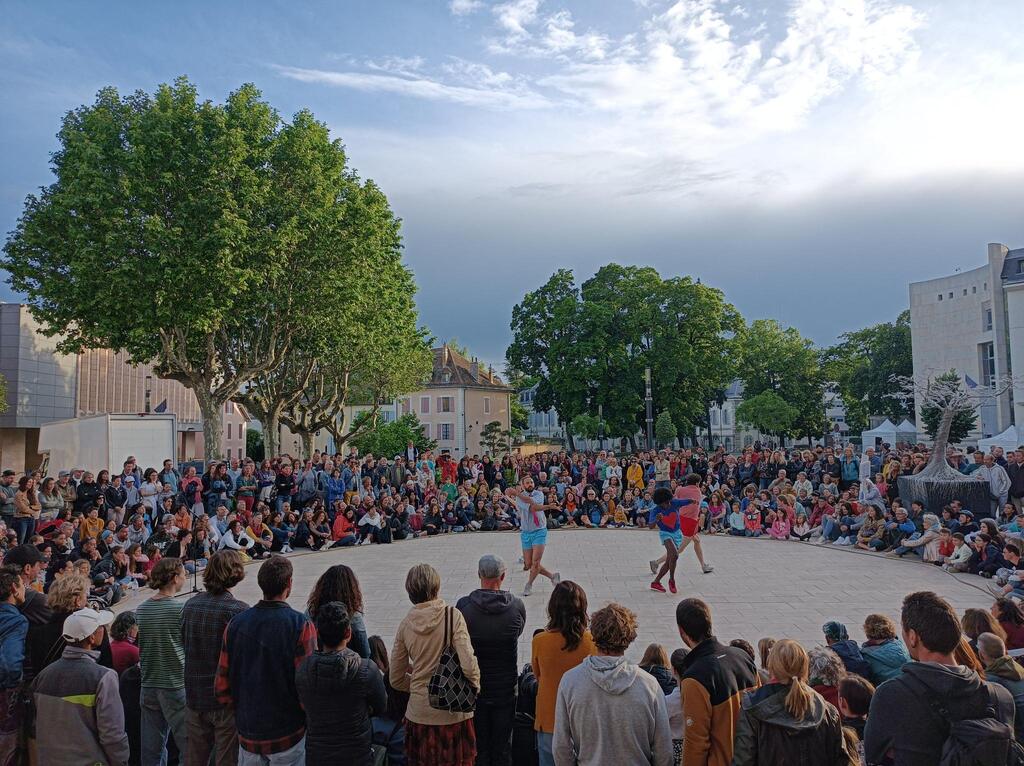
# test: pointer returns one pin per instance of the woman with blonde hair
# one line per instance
(433, 737)
(764, 648)
(786, 721)
(655, 662)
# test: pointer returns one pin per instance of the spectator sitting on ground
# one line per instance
(839, 641)
(1001, 669)
(884, 652)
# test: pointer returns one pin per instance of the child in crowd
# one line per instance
(674, 702)
(780, 527)
(960, 559)
(855, 695)
(801, 530)
(737, 521)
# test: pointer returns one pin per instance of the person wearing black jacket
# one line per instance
(339, 691)
(495, 620)
(87, 494)
(1015, 470)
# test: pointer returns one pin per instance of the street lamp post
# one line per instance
(600, 426)
(650, 409)
(149, 393)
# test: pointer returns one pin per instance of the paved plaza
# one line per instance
(759, 587)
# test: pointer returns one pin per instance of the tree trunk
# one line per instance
(307, 444)
(272, 433)
(213, 425)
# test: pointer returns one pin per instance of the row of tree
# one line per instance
(586, 346)
(235, 250)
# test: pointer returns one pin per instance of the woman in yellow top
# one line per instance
(26, 509)
(635, 475)
(560, 647)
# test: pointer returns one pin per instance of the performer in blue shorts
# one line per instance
(533, 528)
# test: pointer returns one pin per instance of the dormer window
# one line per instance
(447, 376)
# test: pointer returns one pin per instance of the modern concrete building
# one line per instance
(973, 322)
(459, 400)
(44, 385)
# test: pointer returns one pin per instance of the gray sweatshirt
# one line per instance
(609, 711)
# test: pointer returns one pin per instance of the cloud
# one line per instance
(464, 7)
(490, 90)
(515, 16)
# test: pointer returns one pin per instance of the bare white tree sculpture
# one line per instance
(950, 397)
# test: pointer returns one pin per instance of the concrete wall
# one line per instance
(946, 318)
(40, 382)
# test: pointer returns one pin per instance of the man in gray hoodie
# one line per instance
(608, 711)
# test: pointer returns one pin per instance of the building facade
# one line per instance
(543, 424)
(44, 385)
(459, 400)
(972, 322)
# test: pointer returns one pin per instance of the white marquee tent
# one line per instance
(906, 432)
(1008, 439)
(886, 431)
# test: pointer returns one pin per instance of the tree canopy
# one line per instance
(664, 429)
(863, 365)
(780, 360)
(767, 412)
(589, 345)
(209, 238)
(388, 439)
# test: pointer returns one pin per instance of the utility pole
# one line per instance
(650, 409)
(600, 426)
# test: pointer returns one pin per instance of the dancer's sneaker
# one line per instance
(654, 566)
(528, 589)
(556, 578)
(707, 568)
(671, 586)
(658, 587)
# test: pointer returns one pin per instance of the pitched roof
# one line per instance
(453, 369)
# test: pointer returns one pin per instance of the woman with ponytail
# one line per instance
(786, 721)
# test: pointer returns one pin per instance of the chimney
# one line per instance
(474, 369)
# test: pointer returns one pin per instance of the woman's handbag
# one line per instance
(449, 689)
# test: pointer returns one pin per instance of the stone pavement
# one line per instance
(759, 587)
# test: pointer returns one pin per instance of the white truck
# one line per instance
(104, 441)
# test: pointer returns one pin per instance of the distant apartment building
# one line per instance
(972, 322)
(44, 385)
(461, 397)
(543, 424)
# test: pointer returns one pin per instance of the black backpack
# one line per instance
(985, 741)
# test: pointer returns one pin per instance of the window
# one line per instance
(965, 291)
(951, 295)
(714, 417)
(229, 433)
(1020, 267)
(940, 296)
(406, 406)
(987, 359)
(426, 430)
(725, 417)
(445, 431)
(445, 404)
(974, 289)
(229, 453)
(424, 404)
(487, 405)
(986, 321)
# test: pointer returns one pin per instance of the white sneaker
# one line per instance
(556, 578)
(528, 589)
(707, 568)
(286, 549)
(654, 566)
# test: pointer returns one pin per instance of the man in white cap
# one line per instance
(79, 716)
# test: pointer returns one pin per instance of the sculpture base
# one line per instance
(937, 493)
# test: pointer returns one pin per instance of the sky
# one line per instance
(808, 157)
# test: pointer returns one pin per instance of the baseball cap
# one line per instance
(62, 474)
(491, 567)
(9, 472)
(129, 479)
(23, 556)
(835, 631)
(83, 623)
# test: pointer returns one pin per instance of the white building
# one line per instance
(973, 322)
(543, 424)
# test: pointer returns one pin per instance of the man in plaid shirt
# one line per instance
(210, 724)
(262, 647)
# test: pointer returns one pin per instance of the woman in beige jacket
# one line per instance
(26, 509)
(432, 737)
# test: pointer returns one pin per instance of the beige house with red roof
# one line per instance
(461, 398)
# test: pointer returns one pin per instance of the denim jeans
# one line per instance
(545, 754)
(293, 756)
(163, 711)
(25, 527)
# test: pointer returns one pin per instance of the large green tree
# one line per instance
(779, 359)
(388, 439)
(767, 412)
(863, 365)
(589, 346)
(664, 429)
(195, 235)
